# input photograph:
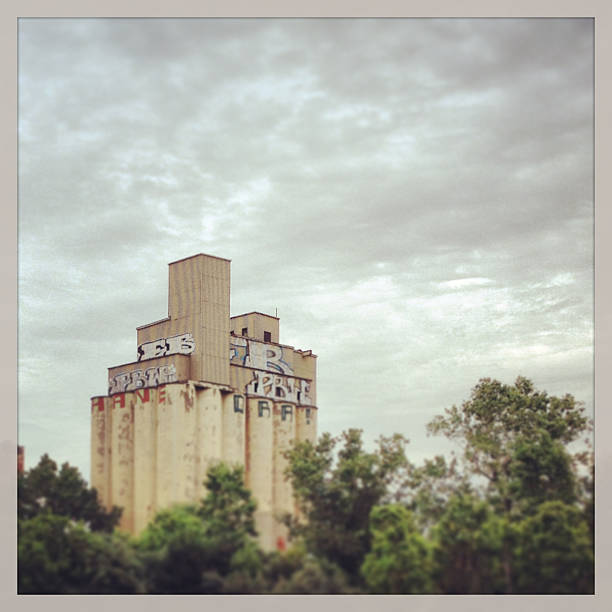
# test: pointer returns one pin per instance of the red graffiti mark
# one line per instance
(119, 399)
(280, 544)
(143, 395)
(161, 395)
(97, 402)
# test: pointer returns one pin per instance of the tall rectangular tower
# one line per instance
(204, 387)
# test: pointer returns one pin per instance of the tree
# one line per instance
(65, 493)
(228, 512)
(316, 576)
(499, 423)
(426, 489)
(554, 552)
(399, 559)
(516, 439)
(58, 555)
(205, 548)
(336, 493)
(540, 470)
(468, 542)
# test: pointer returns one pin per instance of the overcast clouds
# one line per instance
(414, 196)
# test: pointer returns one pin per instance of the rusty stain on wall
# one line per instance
(160, 427)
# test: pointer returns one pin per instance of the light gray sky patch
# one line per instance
(415, 197)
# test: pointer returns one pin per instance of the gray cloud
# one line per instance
(414, 196)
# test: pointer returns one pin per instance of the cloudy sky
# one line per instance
(414, 197)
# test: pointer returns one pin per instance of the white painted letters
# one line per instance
(277, 387)
(138, 379)
(253, 354)
(183, 344)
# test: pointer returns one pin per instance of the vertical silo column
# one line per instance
(209, 432)
(260, 465)
(284, 435)
(100, 449)
(122, 457)
(165, 440)
(187, 421)
(145, 459)
(234, 408)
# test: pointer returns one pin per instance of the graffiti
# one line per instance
(287, 411)
(97, 402)
(239, 403)
(280, 387)
(183, 344)
(138, 379)
(258, 355)
(261, 406)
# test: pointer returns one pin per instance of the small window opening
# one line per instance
(245, 331)
(286, 411)
(238, 403)
(307, 416)
(280, 392)
(267, 336)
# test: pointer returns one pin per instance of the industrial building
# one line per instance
(204, 387)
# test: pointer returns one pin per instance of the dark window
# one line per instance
(263, 406)
(307, 416)
(238, 403)
(267, 336)
(280, 392)
(287, 411)
(245, 331)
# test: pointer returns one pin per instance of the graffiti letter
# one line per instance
(143, 395)
(183, 343)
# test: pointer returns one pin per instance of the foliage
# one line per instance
(57, 555)
(228, 512)
(540, 470)
(180, 521)
(206, 548)
(317, 576)
(399, 559)
(296, 571)
(65, 493)
(337, 493)
(426, 489)
(368, 522)
(497, 426)
(468, 542)
(555, 551)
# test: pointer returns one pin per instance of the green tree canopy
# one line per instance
(507, 431)
(57, 555)
(399, 558)
(555, 551)
(65, 493)
(468, 546)
(540, 470)
(336, 493)
(205, 548)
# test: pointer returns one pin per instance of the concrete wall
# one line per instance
(256, 323)
(198, 304)
(149, 373)
(196, 395)
(151, 448)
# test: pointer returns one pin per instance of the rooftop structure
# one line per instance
(204, 387)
